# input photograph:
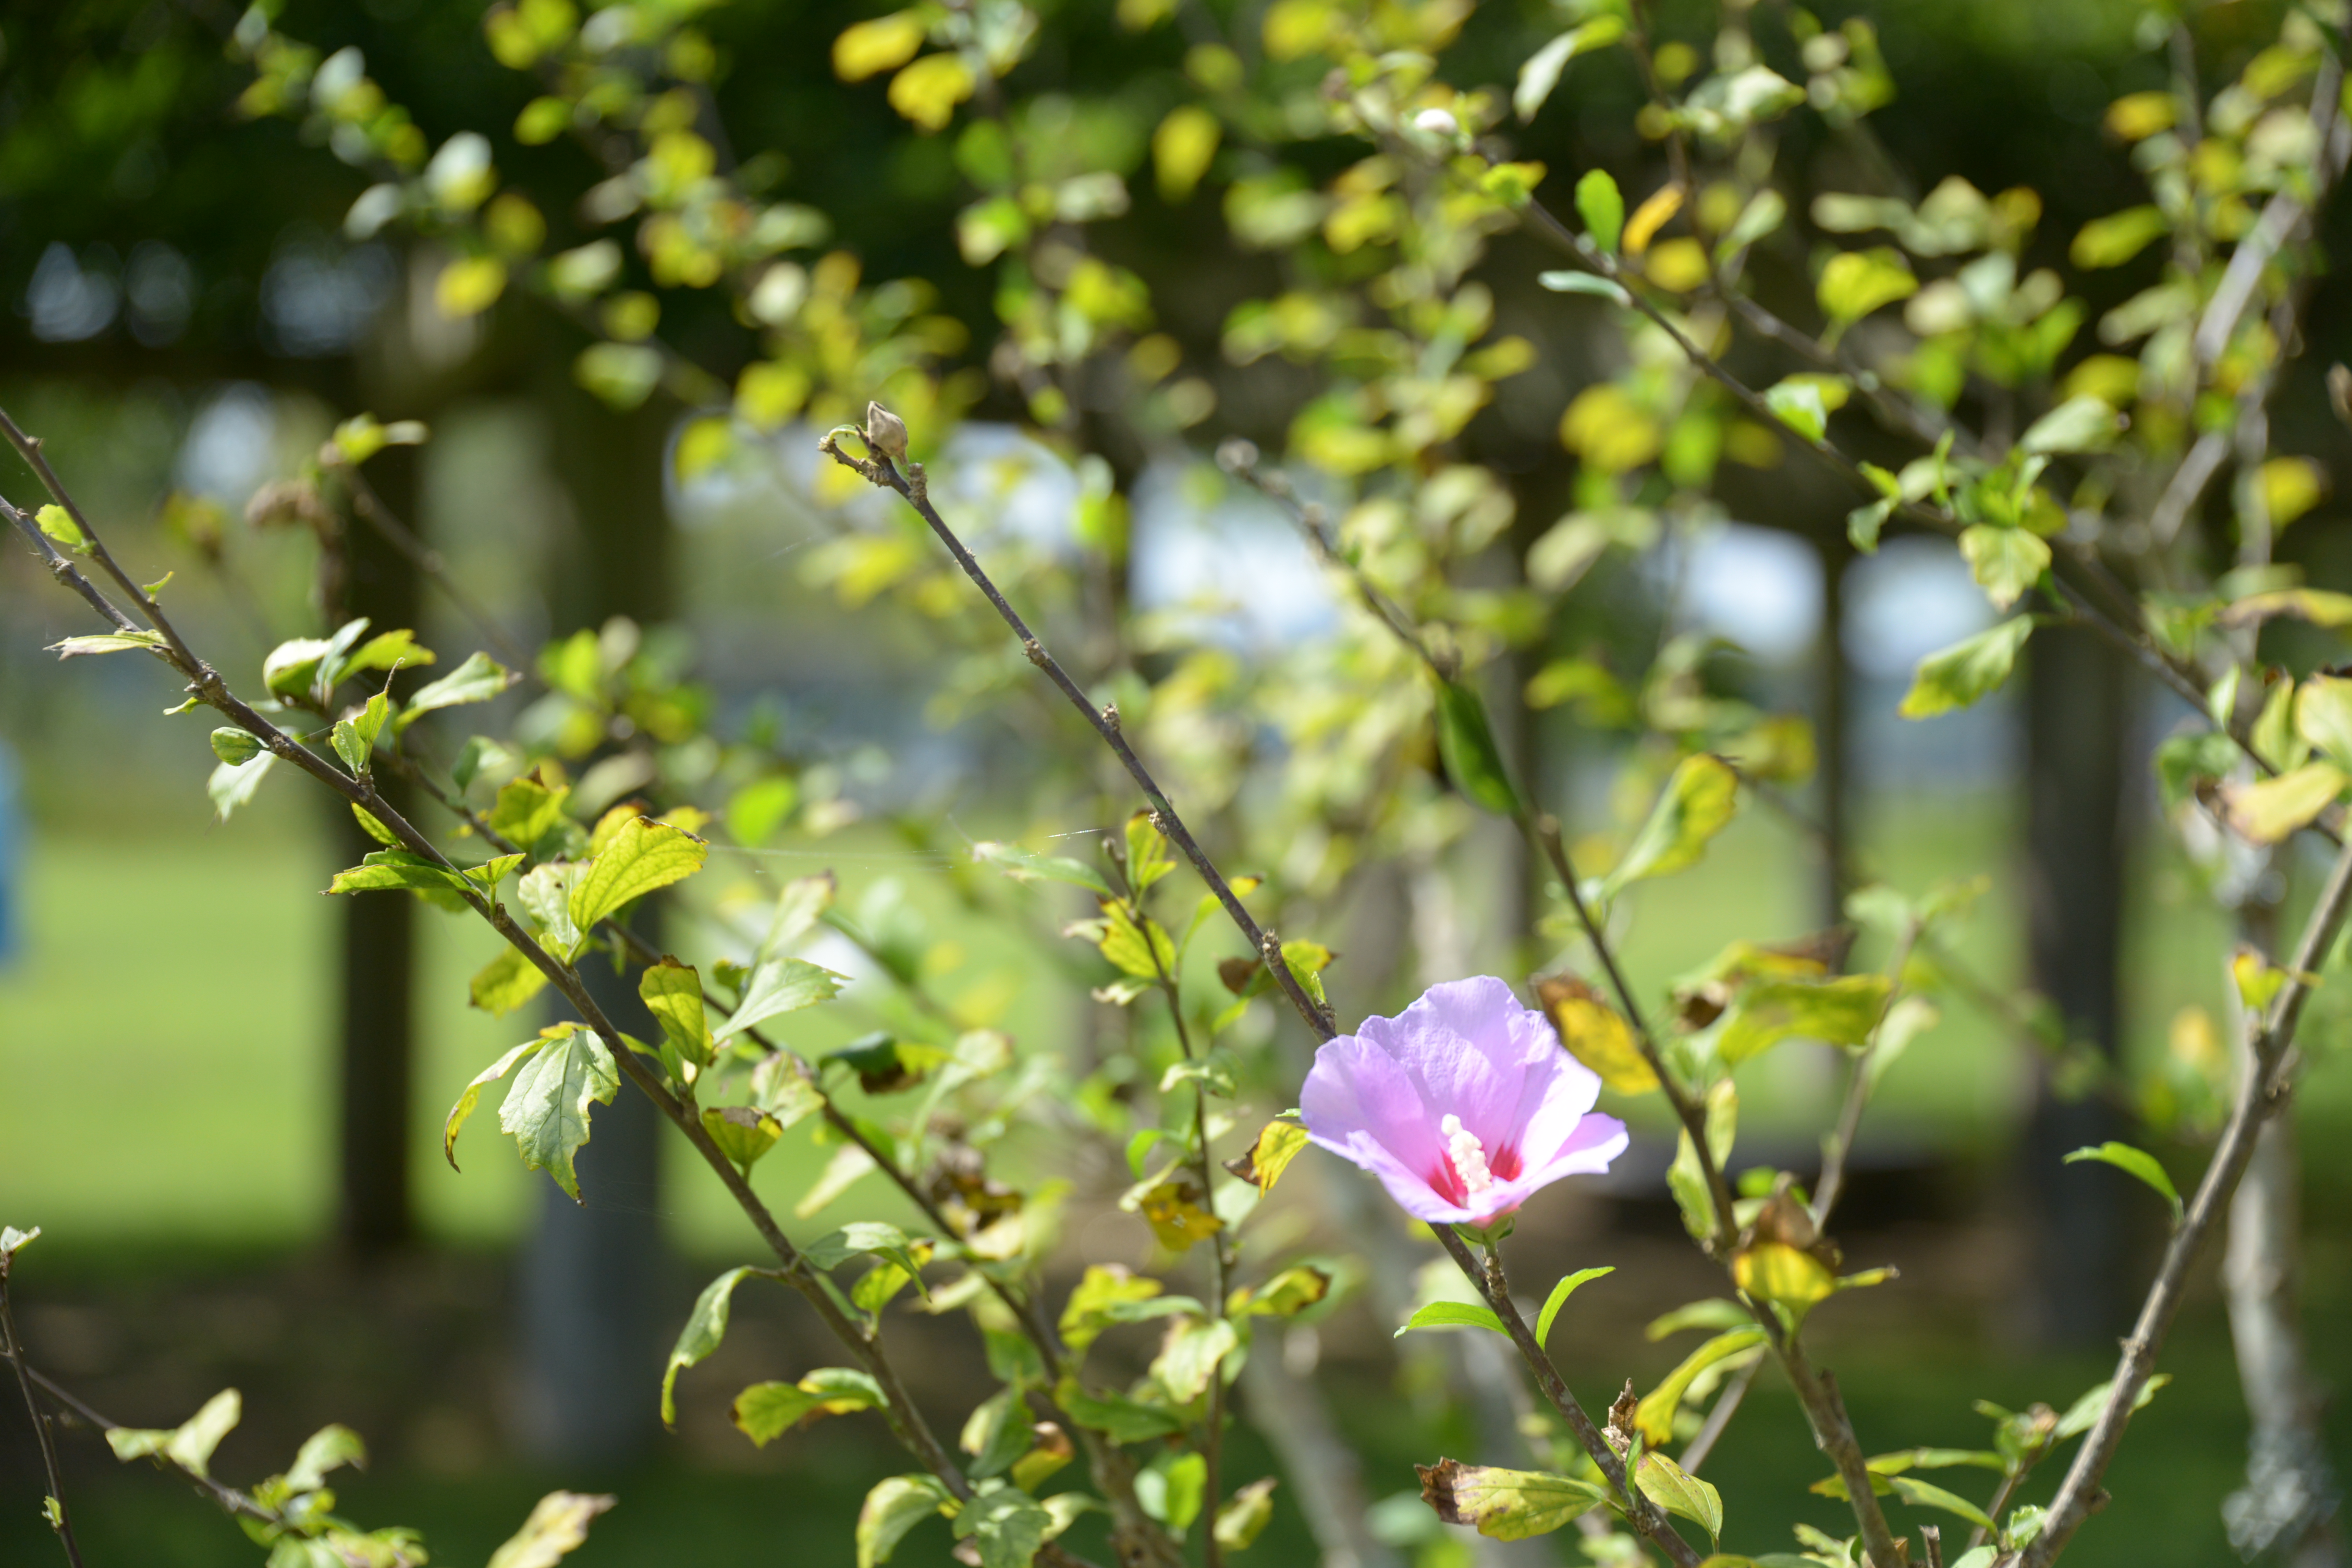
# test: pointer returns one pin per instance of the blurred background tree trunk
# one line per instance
(2076, 695)
(592, 1272)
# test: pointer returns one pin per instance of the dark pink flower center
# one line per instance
(1504, 1164)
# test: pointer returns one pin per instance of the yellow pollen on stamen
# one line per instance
(1468, 1154)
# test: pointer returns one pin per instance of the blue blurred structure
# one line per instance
(12, 853)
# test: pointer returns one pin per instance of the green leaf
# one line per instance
(765, 1411)
(1602, 208)
(527, 810)
(1541, 74)
(1116, 1416)
(742, 1132)
(2112, 240)
(107, 642)
(1789, 1276)
(799, 907)
(387, 869)
(479, 680)
(1798, 405)
(2137, 1163)
(557, 1527)
(2078, 424)
(1506, 1505)
(1285, 1295)
(1677, 1491)
(1108, 1294)
(1687, 1181)
(1655, 1414)
(2322, 716)
(672, 993)
(355, 739)
(59, 525)
(1467, 743)
(1148, 857)
(1451, 1315)
(2084, 1414)
(189, 1444)
(2005, 561)
(1190, 1356)
(778, 986)
(1592, 283)
(642, 857)
(1837, 1011)
(1025, 865)
(706, 1326)
(1963, 674)
(1008, 1527)
(1559, 1299)
(1714, 1312)
(233, 786)
(236, 748)
(1697, 802)
(1856, 282)
(1923, 1494)
(864, 1238)
(547, 1108)
(473, 1094)
(13, 1240)
(892, 1509)
(1862, 523)
(328, 1449)
(1147, 952)
(1173, 1490)
(1243, 1518)
(390, 651)
(545, 893)
(996, 1433)
(506, 983)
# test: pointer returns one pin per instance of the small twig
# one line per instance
(230, 1500)
(2263, 1093)
(1640, 1511)
(1718, 1418)
(880, 469)
(13, 1345)
(1839, 1149)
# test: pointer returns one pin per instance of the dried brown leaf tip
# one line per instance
(1621, 1424)
(1437, 1484)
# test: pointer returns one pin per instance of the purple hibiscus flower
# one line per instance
(1464, 1105)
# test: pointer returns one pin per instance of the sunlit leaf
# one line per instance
(1699, 801)
(2137, 1163)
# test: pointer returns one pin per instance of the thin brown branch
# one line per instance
(421, 555)
(2264, 1092)
(230, 1500)
(880, 469)
(1640, 1511)
(13, 1346)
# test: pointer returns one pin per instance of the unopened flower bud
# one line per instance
(885, 433)
(1436, 121)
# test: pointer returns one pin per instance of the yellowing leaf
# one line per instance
(1609, 430)
(1174, 1211)
(1856, 282)
(1278, 1142)
(2290, 487)
(927, 91)
(470, 286)
(1775, 1271)
(1182, 149)
(1595, 1034)
(1699, 799)
(1655, 1414)
(547, 1108)
(506, 983)
(765, 1411)
(556, 1527)
(2115, 239)
(1650, 217)
(2267, 811)
(2135, 117)
(705, 1327)
(871, 47)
